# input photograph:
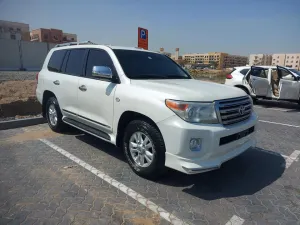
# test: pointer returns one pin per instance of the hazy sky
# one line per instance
(233, 26)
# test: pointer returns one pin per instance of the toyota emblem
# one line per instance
(242, 110)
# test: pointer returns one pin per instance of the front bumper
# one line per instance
(177, 134)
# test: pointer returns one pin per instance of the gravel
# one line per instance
(17, 75)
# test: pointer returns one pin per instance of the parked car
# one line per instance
(267, 82)
(146, 104)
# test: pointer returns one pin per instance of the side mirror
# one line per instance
(102, 72)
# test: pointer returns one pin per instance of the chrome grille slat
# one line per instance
(234, 109)
(228, 110)
(236, 120)
(225, 117)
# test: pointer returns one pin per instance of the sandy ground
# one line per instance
(11, 91)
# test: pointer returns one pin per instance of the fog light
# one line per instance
(195, 144)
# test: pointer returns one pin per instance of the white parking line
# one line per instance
(288, 159)
(283, 124)
(128, 191)
(292, 158)
(235, 220)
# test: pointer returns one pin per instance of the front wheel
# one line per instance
(144, 149)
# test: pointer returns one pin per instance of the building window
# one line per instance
(296, 61)
(292, 57)
(11, 29)
(45, 36)
(277, 57)
(277, 61)
(291, 61)
(287, 57)
(297, 56)
(18, 29)
(12, 36)
(287, 61)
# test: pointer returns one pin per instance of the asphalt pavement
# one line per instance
(74, 178)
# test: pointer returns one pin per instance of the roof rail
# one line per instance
(75, 43)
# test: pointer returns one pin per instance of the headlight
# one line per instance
(194, 112)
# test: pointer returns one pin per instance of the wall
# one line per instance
(9, 55)
(16, 55)
(33, 54)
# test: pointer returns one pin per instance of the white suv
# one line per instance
(148, 105)
(267, 82)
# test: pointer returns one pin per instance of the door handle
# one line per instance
(56, 82)
(82, 88)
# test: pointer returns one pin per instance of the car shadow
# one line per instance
(246, 174)
(103, 146)
(294, 107)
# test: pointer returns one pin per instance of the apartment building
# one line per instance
(51, 36)
(14, 30)
(220, 59)
(260, 59)
(293, 61)
(231, 61)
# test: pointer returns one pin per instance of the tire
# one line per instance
(52, 104)
(157, 167)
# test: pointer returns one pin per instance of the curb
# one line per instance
(21, 123)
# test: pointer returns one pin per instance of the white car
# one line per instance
(148, 105)
(267, 82)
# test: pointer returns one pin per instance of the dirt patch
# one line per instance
(12, 91)
(17, 98)
(33, 135)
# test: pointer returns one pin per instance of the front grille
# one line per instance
(234, 110)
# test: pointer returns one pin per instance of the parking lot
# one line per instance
(74, 178)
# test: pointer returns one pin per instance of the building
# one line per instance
(219, 60)
(288, 60)
(278, 59)
(67, 37)
(293, 61)
(231, 61)
(14, 30)
(260, 60)
(51, 36)
(162, 51)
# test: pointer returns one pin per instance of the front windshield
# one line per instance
(149, 65)
(295, 71)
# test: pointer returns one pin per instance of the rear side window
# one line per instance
(98, 58)
(75, 62)
(56, 60)
(234, 69)
(244, 71)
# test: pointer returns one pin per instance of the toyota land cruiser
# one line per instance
(148, 105)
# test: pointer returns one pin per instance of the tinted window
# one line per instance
(98, 58)
(263, 73)
(75, 62)
(244, 71)
(56, 60)
(149, 65)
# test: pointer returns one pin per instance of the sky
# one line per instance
(232, 26)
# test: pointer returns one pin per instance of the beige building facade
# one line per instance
(278, 59)
(260, 59)
(14, 30)
(293, 61)
(220, 59)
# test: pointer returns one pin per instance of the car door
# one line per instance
(72, 69)
(62, 85)
(96, 95)
(289, 85)
(257, 81)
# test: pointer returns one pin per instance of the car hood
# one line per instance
(190, 89)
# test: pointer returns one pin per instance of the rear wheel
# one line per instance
(54, 115)
(144, 149)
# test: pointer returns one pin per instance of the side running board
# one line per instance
(86, 128)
